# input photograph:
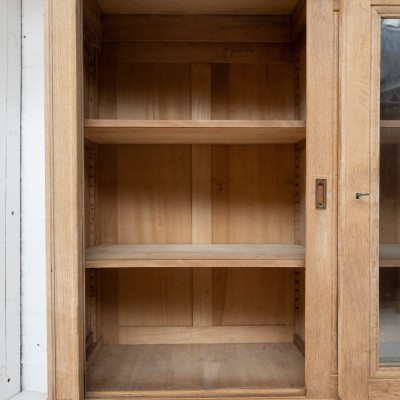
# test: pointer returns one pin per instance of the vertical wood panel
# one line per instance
(153, 91)
(354, 217)
(255, 296)
(155, 297)
(107, 85)
(321, 224)
(201, 195)
(64, 190)
(253, 200)
(253, 91)
(107, 195)
(154, 194)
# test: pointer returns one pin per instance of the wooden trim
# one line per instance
(197, 28)
(205, 335)
(354, 250)
(321, 225)
(64, 198)
(189, 52)
(384, 389)
(226, 394)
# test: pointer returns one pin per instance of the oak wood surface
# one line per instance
(241, 7)
(130, 368)
(197, 28)
(189, 131)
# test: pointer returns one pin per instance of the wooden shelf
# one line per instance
(194, 132)
(188, 255)
(390, 131)
(389, 255)
(213, 370)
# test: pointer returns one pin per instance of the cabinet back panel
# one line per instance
(163, 90)
(253, 194)
(253, 91)
(155, 297)
(153, 91)
(154, 194)
(249, 297)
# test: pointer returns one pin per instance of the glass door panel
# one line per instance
(389, 192)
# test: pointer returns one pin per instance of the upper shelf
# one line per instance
(390, 131)
(189, 255)
(389, 255)
(194, 132)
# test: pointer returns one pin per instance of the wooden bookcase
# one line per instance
(187, 257)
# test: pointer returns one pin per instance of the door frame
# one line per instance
(360, 376)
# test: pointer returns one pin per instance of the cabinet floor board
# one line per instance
(205, 367)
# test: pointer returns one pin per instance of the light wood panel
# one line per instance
(197, 132)
(253, 91)
(153, 91)
(107, 195)
(198, 52)
(354, 249)
(249, 297)
(197, 28)
(64, 199)
(120, 256)
(253, 201)
(205, 335)
(241, 7)
(184, 370)
(321, 225)
(154, 194)
(155, 297)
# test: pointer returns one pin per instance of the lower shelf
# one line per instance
(196, 369)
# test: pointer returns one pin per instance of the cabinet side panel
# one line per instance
(253, 194)
(154, 194)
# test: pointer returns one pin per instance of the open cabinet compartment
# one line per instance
(194, 199)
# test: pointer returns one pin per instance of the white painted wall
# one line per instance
(10, 97)
(33, 260)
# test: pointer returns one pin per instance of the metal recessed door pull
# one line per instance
(359, 195)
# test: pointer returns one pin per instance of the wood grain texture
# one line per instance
(354, 250)
(253, 91)
(163, 369)
(249, 297)
(64, 199)
(107, 195)
(155, 297)
(197, 28)
(253, 202)
(154, 194)
(241, 7)
(205, 335)
(384, 389)
(199, 52)
(107, 83)
(194, 132)
(321, 225)
(153, 91)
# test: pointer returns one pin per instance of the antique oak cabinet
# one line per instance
(223, 192)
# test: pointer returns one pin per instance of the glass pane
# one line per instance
(389, 219)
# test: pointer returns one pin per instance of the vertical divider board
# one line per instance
(201, 194)
(321, 227)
